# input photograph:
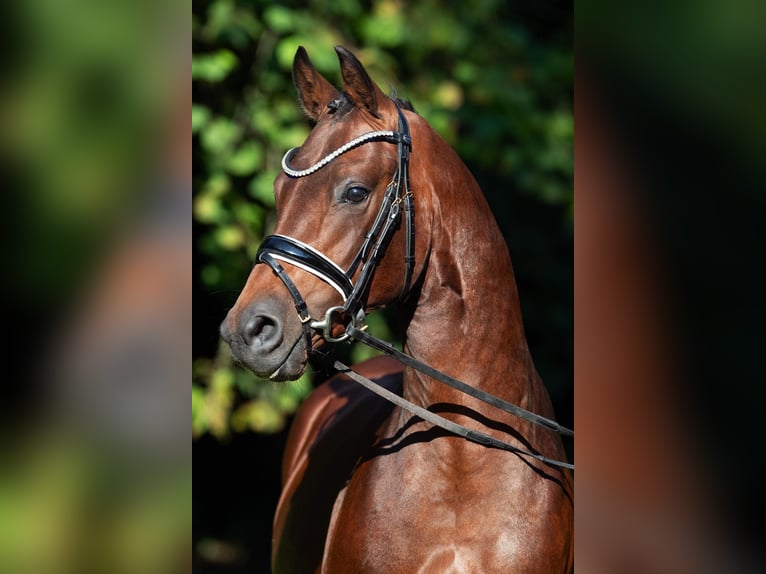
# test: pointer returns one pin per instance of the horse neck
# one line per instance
(467, 321)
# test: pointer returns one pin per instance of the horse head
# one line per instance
(345, 216)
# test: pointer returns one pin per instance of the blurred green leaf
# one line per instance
(220, 135)
(299, 389)
(217, 185)
(385, 27)
(262, 188)
(213, 67)
(230, 237)
(208, 209)
(200, 116)
(279, 18)
(258, 416)
(245, 160)
(198, 421)
(316, 40)
(250, 215)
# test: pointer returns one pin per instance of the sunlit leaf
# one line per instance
(198, 421)
(217, 185)
(262, 187)
(200, 116)
(448, 95)
(208, 209)
(220, 135)
(386, 25)
(279, 18)
(245, 160)
(230, 237)
(259, 416)
(213, 67)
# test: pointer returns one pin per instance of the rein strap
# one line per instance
(497, 402)
(441, 422)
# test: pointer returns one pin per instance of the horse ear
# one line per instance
(358, 84)
(313, 90)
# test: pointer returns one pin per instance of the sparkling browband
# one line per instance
(369, 136)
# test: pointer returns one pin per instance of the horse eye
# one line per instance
(356, 194)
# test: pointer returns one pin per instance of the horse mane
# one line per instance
(401, 102)
(341, 105)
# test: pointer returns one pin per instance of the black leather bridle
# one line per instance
(396, 199)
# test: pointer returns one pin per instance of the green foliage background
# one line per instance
(493, 77)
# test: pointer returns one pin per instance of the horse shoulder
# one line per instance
(506, 515)
(330, 431)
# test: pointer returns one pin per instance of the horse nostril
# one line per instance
(263, 332)
(258, 327)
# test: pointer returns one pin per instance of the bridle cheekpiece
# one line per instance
(397, 198)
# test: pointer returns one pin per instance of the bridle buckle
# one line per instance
(325, 325)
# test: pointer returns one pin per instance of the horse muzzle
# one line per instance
(266, 339)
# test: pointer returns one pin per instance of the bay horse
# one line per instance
(376, 209)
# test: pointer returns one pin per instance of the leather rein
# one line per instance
(397, 199)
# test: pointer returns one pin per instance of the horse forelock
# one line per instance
(343, 104)
(402, 103)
